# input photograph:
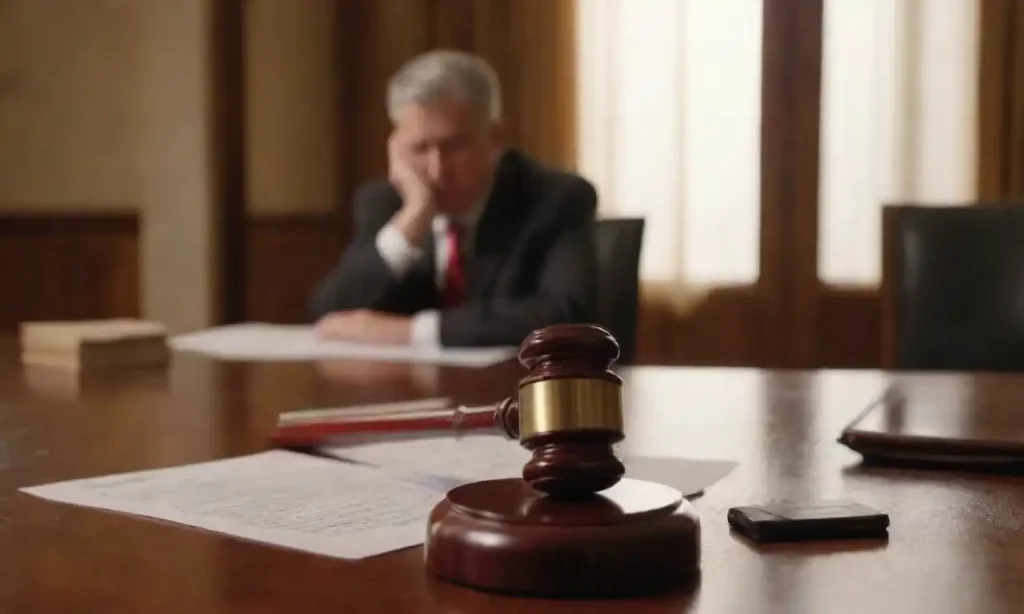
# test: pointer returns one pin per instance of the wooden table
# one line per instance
(956, 542)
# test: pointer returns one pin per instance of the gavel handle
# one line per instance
(506, 417)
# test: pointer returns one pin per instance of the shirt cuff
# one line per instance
(396, 251)
(426, 329)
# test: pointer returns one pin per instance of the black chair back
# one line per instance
(618, 244)
(959, 287)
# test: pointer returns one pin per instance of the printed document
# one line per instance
(445, 462)
(292, 500)
(276, 342)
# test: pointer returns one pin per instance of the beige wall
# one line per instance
(73, 106)
(175, 158)
(291, 100)
(108, 104)
(67, 104)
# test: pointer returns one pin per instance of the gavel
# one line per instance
(568, 412)
(574, 525)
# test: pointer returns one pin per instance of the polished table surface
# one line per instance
(956, 542)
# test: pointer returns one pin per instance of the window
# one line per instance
(670, 109)
(898, 121)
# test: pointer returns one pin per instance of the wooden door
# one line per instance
(701, 117)
(897, 116)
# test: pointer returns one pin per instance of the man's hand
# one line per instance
(410, 181)
(364, 326)
(417, 212)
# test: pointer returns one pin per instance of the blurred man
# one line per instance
(465, 243)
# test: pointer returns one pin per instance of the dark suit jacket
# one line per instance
(533, 263)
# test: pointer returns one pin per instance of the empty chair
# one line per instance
(618, 258)
(955, 286)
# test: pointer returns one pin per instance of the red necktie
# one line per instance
(455, 275)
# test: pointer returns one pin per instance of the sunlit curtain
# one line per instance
(669, 126)
(898, 121)
(669, 110)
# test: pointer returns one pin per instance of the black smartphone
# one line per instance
(791, 522)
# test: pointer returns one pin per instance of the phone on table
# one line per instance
(793, 522)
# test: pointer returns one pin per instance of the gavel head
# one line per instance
(568, 411)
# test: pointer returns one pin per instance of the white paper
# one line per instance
(276, 342)
(444, 462)
(278, 497)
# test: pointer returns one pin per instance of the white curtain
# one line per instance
(669, 111)
(899, 88)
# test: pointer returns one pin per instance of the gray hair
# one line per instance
(446, 75)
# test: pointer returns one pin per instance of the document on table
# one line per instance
(276, 342)
(445, 462)
(292, 500)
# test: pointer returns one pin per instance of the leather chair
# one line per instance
(956, 286)
(618, 243)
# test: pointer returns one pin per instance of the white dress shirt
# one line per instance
(400, 256)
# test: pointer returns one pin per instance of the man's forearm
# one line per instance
(507, 322)
(362, 280)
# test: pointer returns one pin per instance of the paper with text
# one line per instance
(276, 342)
(444, 462)
(278, 497)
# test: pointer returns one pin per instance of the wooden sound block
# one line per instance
(503, 536)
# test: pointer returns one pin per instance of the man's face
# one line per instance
(453, 149)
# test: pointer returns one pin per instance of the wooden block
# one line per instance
(88, 344)
(504, 536)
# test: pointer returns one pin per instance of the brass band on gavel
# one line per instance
(569, 404)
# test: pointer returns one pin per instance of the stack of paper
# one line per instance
(352, 510)
(89, 344)
(272, 342)
(283, 498)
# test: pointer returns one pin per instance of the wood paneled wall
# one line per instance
(288, 256)
(74, 266)
(68, 266)
(1001, 101)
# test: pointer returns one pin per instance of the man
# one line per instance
(465, 243)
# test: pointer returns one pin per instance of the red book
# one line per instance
(320, 426)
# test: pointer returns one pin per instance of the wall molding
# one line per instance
(70, 265)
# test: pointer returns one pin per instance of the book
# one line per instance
(93, 344)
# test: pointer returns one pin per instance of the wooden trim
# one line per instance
(1001, 100)
(791, 109)
(69, 266)
(26, 222)
(888, 292)
(565, 79)
(847, 321)
(352, 17)
(229, 154)
(721, 328)
(279, 287)
(299, 220)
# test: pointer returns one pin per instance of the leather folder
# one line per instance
(322, 426)
(921, 426)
